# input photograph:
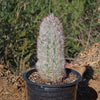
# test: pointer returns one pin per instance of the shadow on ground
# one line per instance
(84, 91)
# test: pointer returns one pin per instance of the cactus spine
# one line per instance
(50, 50)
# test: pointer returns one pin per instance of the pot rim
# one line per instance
(52, 86)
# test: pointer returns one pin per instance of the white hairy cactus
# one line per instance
(50, 50)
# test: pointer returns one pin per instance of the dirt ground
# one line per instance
(11, 87)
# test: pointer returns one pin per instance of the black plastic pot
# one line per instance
(37, 91)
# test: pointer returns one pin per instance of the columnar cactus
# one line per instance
(50, 50)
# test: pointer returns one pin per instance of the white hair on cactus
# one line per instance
(50, 49)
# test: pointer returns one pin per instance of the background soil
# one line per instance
(11, 87)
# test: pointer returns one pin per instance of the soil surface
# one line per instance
(35, 77)
(12, 87)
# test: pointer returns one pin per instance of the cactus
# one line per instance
(50, 50)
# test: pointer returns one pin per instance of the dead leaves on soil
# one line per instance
(90, 56)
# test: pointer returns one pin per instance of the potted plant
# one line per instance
(50, 66)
